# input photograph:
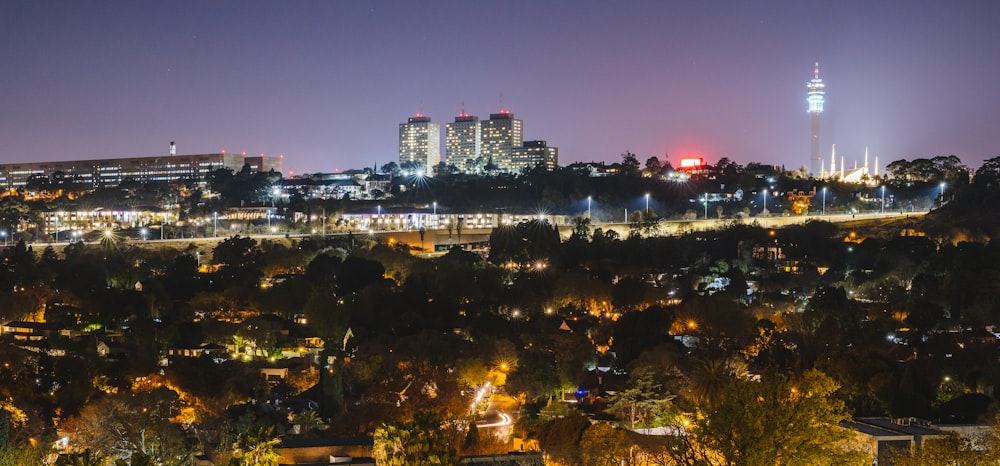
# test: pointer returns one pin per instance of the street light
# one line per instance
(706, 205)
(942, 193)
(435, 204)
(143, 233)
(3, 233)
(824, 200)
(883, 199)
(765, 202)
(215, 224)
(647, 204)
(589, 199)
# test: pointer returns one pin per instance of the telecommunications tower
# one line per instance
(816, 92)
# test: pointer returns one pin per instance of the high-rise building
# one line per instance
(815, 96)
(531, 154)
(462, 143)
(419, 142)
(501, 133)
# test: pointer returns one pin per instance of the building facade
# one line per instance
(98, 173)
(500, 134)
(462, 143)
(419, 142)
(533, 153)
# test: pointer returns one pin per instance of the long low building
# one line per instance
(97, 173)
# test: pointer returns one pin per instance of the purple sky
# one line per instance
(327, 82)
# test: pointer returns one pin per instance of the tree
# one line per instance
(308, 421)
(778, 420)
(604, 445)
(87, 458)
(420, 441)
(390, 168)
(24, 455)
(560, 437)
(524, 243)
(653, 166)
(127, 423)
(643, 403)
(952, 450)
(256, 447)
(630, 164)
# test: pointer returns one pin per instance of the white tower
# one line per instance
(815, 97)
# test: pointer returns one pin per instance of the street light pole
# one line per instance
(824, 200)
(765, 201)
(942, 193)
(883, 199)
(215, 224)
(588, 207)
(706, 206)
(647, 204)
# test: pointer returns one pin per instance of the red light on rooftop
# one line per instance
(223, 151)
(244, 153)
(419, 114)
(281, 155)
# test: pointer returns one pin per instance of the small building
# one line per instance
(884, 436)
(327, 450)
(197, 351)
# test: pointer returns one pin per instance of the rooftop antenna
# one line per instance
(173, 148)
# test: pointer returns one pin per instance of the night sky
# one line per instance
(327, 82)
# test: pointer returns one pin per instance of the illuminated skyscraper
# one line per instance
(462, 143)
(501, 133)
(816, 93)
(533, 154)
(420, 142)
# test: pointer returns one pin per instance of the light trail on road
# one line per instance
(505, 420)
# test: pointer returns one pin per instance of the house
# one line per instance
(328, 450)
(883, 436)
(197, 351)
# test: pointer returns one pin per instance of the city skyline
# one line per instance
(327, 84)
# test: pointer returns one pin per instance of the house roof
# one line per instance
(326, 442)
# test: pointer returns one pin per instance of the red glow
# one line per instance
(419, 114)
(282, 156)
(244, 153)
(690, 163)
(223, 151)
